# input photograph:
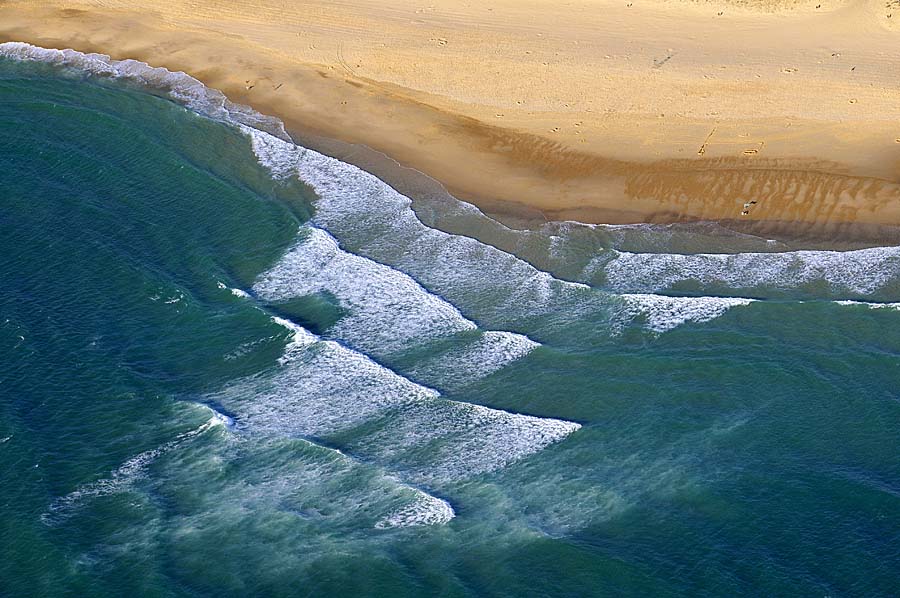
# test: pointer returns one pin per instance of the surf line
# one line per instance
(123, 477)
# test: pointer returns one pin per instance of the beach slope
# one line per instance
(594, 110)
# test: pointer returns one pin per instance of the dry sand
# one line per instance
(592, 110)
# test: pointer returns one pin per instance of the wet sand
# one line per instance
(761, 115)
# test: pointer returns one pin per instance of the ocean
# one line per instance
(231, 366)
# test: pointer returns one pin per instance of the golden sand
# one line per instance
(592, 110)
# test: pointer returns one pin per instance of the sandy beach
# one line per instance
(766, 113)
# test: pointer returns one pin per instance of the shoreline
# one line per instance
(812, 199)
(417, 185)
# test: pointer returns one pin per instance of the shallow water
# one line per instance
(231, 366)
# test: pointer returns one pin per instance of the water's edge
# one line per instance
(194, 95)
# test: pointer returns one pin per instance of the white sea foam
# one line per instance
(235, 292)
(417, 507)
(221, 418)
(323, 485)
(348, 196)
(358, 208)
(322, 386)
(123, 477)
(301, 338)
(477, 359)
(179, 86)
(664, 313)
(423, 509)
(324, 390)
(387, 310)
(327, 391)
(357, 204)
(441, 441)
(870, 305)
(861, 272)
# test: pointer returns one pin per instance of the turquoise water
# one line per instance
(231, 366)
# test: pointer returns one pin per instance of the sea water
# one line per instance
(230, 365)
